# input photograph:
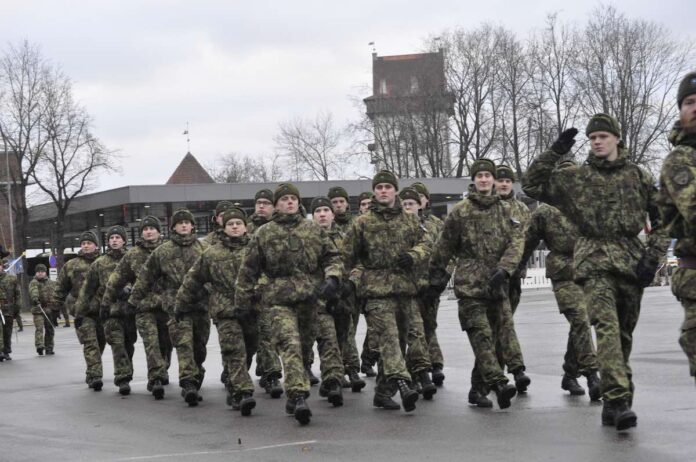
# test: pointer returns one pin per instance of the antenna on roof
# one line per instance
(188, 138)
(372, 44)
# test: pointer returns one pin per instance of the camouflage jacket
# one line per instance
(521, 212)
(211, 238)
(218, 266)
(342, 221)
(433, 227)
(483, 234)
(72, 275)
(608, 202)
(125, 274)
(295, 254)
(254, 222)
(559, 235)
(374, 242)
(89, 300)
(165, 269)
(678, 192)
(10, 295)
(41, 292)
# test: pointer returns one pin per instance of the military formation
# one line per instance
(276, 283)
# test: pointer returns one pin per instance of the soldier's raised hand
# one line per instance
(565, 141)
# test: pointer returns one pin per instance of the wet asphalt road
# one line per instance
(49, 414)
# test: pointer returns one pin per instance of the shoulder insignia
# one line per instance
(683, 177)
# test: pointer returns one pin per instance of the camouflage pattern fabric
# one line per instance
(121, 335)
(330, 358)
(10, 304)
(190, 337)
(342, 221)
(91, 334)
(41, 295)
(153, 330)
(581, 357)
(482, 320)
(234, 356)
(71, 277)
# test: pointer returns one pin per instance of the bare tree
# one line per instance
(233, 168)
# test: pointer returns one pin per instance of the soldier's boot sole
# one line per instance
(302, 414)
(246, 405)
(409, 399)
(505, 393)
(124, 389)
(335, 397)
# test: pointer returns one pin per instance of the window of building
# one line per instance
(382, 86)
(414, 84)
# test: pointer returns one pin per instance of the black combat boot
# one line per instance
(7, 356)
(522, 381)
(595, 386)
(624, 417)
(385, 402)
(2, 356)
(571, 385)
(273, 387)
(438, 375)
(96, 384)
(427, 386)
(345, 383)
(302, 412)
(40, 351)
(246, 404)
(368, 370)
(157, 390)
(262, 382)
(190, 394)
(324, 389)
(50, 352)
(505, 392)
(335, 394)
(356, 383)
(408, 395)
(608, 413)
(124, 388)
(224, 377)
(313, 380)
(479, 399)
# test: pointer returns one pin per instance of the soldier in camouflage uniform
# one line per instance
(560, 234)
(150, 319)
(218, 267)
(486, 239)
(11, 301)
(335, 320)
(365, 201)
(97, 323)
(216, 221)
(339, 199)
(164, 270)
(370, 348)
(295, 255)
(43, 309)
(607, 198)
(70, 280)
(678, 210)
(381, 249)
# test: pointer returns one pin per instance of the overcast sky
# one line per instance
(234, 69)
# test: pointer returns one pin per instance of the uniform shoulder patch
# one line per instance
(682, 177)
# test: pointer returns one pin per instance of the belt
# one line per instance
(687, 262)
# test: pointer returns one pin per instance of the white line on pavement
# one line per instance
(229, 451)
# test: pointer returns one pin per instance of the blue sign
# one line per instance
(52, 261)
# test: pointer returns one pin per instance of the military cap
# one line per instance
(117, 229)
(284, 189)
(321, 202)
(233, 212)
(385, 176)
(483, 165)
(264, 194)
(89, 236)
(365, 195)
(504, 171)
(421, 188)
(686, 87)
(181, 215)
(40, 268)
(150, 221)
(409, 193)
(337, 191)
(603, 123)
(222, 206)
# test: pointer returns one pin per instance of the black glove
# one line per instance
(104, 313)
(243, 314)
(565, 141)
(348, 289)
(329, 289)
(645, 270)
(438, 279)
(77, 322)
(405, 261)
(497, 278)
(332, 307)
(179, 316)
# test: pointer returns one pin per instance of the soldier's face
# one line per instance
(183, 227)
(604, 145)
(116, 241)
(503, 186)
(218, 218)
(687, 114)
(410, 206)
(483, 182)
(423, 201)
(150, 234)
(340, 204)
(324, 216)
(385, 194)
(235, 227)
(288, 204)
(264, 208)
(88, 246)
(365, 205)
(41, 275)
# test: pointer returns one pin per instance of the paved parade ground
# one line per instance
(48, 413)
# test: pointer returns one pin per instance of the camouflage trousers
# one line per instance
(121, 335)
(398, 327)
(91, 335)
(44, 330)
(153, 330)
(64, 313)
(613, 305)
(510, 355)
(6, 334)
(345, 320)
(487, 323)
(370, 346)
(235, 356)
(684, 288)
(581, 356)
(189, 337)
(250, 338)
(514, 292)
(267, 360)
(428, 310)
(330, 358)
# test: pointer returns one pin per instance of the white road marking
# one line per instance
(229, 451)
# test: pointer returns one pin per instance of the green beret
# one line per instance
(365, 195)
(337, 191)
(233, 212)
(40, 268)
(686, 87)
(222, 206)
(385, 176)
(89, 236)
(284, 189)
(421, 188)
(603, 123)
(117, 229)
(321, 202)
(150, 221)
(181, 215)
(482, 165)
(409, 193)
(504, 171)
(264, 194)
